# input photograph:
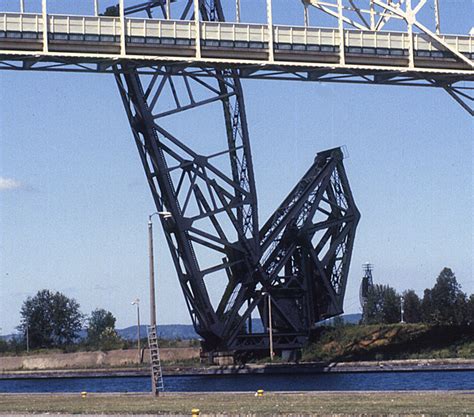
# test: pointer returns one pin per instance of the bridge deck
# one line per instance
(94, 37)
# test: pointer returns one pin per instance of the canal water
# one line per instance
(381, 381)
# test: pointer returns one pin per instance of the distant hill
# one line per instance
(173, 331)
(352, 318)
(348, 319)
(186, 331)
(165, 331)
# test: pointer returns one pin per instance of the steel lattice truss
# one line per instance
(300, 256)
(377, 15)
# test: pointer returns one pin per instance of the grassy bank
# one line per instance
(385, 342)
(329, 344)
(414, 403)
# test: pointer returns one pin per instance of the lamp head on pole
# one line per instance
(163, 214)
(136, 301)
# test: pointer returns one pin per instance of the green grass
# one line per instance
(414, 403)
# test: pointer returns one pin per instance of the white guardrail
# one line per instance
(107, 28)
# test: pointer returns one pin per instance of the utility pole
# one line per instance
(270, 327)
(402, 312)
(156, 374)
(151, 263)
(151, 267)
(27, 336)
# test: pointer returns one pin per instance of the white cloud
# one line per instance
(9, 184)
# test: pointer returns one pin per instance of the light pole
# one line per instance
(137, 303)
(27, 336)
(270, 328)
(151, 263)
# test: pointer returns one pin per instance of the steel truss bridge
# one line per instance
(172, 56)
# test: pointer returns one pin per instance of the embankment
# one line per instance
(92, 360)
(102, 364)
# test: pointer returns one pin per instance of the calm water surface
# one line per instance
(457, 380)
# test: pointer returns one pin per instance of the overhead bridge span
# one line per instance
(102, 38)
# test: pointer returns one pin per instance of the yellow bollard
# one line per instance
(83, 394)
(195, 412)
(259, 393)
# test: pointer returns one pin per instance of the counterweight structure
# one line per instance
(165, 68)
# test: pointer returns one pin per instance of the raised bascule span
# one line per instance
(170, 57)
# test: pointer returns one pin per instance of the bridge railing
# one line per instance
(103, 28)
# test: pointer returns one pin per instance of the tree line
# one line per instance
(443, 304)
(53, 320)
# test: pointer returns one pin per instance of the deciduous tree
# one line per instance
(52, 319)
(382, 306)
(101, 330)
(445, 303)
(470, 310)
(411, 307)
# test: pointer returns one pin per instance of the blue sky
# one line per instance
(74, 201)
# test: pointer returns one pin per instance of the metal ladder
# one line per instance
(156, 374)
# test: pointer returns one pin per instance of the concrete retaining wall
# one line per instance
(113, 358)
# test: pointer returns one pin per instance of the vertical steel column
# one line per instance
(168, 9)
(372, 15)
(342, 51)
(237, 11)
(96, 8)
(410, 18)
(197, 28)
(123, 50)
(271, 54)
(306, 14)
(22, 6)
(44, 13)
(437, 20)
